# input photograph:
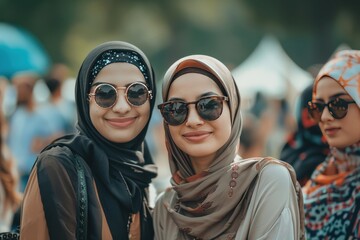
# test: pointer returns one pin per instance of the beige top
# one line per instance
(271, 213)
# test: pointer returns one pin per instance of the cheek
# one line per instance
(174, 132)
(175, 135)
(92, 110)
(226, 119)
(143, 113)
(353, 129)
(95, 112)
(224, 129)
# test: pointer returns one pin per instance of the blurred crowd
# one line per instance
(34, 112)
(37, 109)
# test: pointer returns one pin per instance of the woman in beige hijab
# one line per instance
(216, 194)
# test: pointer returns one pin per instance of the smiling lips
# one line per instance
(331, 131)
(121, 122)
(197, 136)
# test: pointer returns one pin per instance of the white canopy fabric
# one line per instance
(271, 71)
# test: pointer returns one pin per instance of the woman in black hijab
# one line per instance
(93, 184)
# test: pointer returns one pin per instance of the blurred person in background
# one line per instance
(252, 143)
(280, 123)
(332, 195)
(274, 123)
(59, 75)
(9, 196)
(216, 194)
(93, 184)
(260, 104)
(28, 132)
(53, 110)
(305, 148)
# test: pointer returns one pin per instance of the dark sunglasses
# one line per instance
(338, 108)
(106, 95)
(209, 108)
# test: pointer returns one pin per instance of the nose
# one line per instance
(193, 118)
(121, 105)
(326, 115)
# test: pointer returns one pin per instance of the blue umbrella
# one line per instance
(20, 51)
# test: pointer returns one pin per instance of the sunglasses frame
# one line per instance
(93, 93)
(311, 108)
(162, 105)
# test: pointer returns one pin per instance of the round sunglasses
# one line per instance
(338, 108)
(176, 112)
(106, 95)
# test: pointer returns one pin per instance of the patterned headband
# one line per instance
(345, 69)
(114, 56)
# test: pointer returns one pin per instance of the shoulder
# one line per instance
(275, 175)
(54, 158)
(55, 169)
(163, 197)
(275, 168)
(159, 200)
(274, 188)
(161, 214)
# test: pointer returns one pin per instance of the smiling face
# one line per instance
(122, 122)
(339, 133)
(199, 138)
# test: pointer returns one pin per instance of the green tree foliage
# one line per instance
(310, 29)
(166, 30)
(49, 21)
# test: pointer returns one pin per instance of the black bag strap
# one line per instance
(82, 209)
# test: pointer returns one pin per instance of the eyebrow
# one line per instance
(98, 83)
(334, 96)
(114, 85)
(202, 95)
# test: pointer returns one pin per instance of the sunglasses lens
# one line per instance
(338, 108)
(174, 113)
(315, 110)
(137, 94)
(210, 108)
(105, 95)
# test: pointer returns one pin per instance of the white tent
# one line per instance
(271, 71)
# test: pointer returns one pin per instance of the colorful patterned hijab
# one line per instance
(344, 68)
(221, 193)
(332, 201)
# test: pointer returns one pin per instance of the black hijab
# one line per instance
(82, 89)
(124, 169)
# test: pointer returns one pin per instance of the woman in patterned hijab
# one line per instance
(215, 194)
(332, 196)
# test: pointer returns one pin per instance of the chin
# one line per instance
(339, 145)
(118, 139)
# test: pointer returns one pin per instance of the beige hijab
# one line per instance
(211, 204)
